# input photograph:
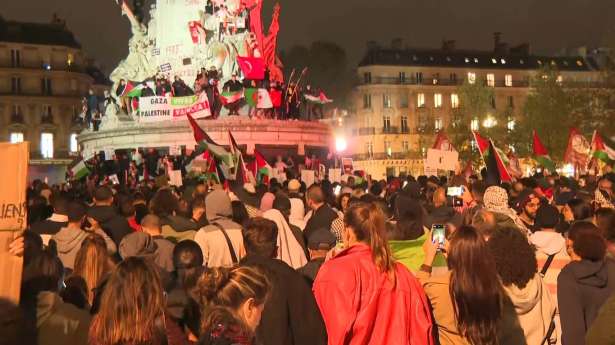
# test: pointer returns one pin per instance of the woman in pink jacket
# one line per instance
(364, 296)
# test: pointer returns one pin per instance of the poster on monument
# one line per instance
(13, 214)
(164, 108)
(308, 177)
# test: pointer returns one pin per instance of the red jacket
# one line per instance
(361, 306)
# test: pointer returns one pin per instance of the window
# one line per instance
(16, 85)
(453, 77)
(369, 149)
(405, 147)
(367, 101)
(73, 145)
(386, 123)
(511, 102)
(403, 100)
(402, 77)
(454, 101)
(404, 124)
(15, 58)
(16, 137)
(70, 59)
(420, 100)
(46, 86)
(510, 124)
(474, 124)
(491, 80)
(386, 101)
(419, 77)
(438, 124)
(47, 145)
(471, 77)
(437, 100)
(508, 80)
(367, 77)
(388, 149)
(16, 110)
(436, 78)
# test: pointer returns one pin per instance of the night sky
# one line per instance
(548, 25)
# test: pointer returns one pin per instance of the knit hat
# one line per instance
(294, 185)
(547, 217)
(496, 199)
(137, 244)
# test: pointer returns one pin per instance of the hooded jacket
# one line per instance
(582, 288)
(114, 225)
(550, 243)
(143, 245)
(60, 323)
(535, 308)
(178, 227)
(68, 242)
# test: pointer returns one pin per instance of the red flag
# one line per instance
(253, 68)
(482, 143)
(199, 133)
(276, 97)
(539, 148)
(577, 152)
(270, 46)
(496, 170)
(443, 143)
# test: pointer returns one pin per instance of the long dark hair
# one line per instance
(475, 288)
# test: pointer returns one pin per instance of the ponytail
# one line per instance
(369, 226)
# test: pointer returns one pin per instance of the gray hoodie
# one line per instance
(68, 241)
(60, 323)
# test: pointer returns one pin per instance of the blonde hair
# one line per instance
(92, 263)
(222, 291)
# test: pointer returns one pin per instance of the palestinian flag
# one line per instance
(205, 143)
(262, 169)
(135, 91)
(483, 148)
(78, 169)
(127, 88)
(229, 97)
(600, 150)
(320, 99)
(496, 170)
(258, 98)
(211, 174)
(541, 155)
(577, 152)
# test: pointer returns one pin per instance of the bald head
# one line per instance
(151, 225)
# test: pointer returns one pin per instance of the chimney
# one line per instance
(397, 43)
(448, 45)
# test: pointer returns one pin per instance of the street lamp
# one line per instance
(340, 144)
(490, 122)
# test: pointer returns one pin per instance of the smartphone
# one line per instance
(337, 189)
(404, 184)
(454, 191)
(438, 233)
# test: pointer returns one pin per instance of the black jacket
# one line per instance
(47, 227)
(582, 288)
(310, 270)
(291, 315)
(111, 222)
(321, 219)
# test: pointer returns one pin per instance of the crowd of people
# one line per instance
(426, 260)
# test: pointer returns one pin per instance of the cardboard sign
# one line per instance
(440, 159)
(347, 165)
(335, 175)
(309, 177)
(175, 178)
(13, 214)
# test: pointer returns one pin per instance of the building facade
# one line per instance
(44, 75)
(405, 96)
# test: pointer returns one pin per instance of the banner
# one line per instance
(164, 108)
(440, 159)
(347, 165)
(13, 214)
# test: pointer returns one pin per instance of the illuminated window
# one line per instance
(70, 59)
(386, 123)
(404, 124)
(454, 101)
(405, 147)
(420, 100)
(511, 124)
(559, 79)
(386, 101)
(471, 77)
(467, 60)
(367, 101)
(388, 149)
(47, 145)
(475, 60)
(474, 124)
(437, 100)
(494, 61)
(508, 80)
(503, 61)
(579, 63)
(74, 146)
(369, 149)
(438, 124)
(491, 79)
(16, 137)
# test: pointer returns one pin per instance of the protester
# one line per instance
(59, 219)
(221, 241)
(105, 214)
(69, 239)
(322, 214)
(526, 205)
(515, 263)
(408, 234)
(462, 315)
(496, 201)
(151, 226)
(585, 283)
(364, 296)
(165, 205)
(132, 308)
(290, 249)
(233, 300)
(93, 263)
(319, 244)
(291, 315)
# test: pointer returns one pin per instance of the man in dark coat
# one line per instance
(322, 214)
(106, 215)
(291, 315)
(59, 219)
(319, 244)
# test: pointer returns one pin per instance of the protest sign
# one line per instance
(308, 177)
(335, 175)
(13, 214)
(440, 159)
(347, 165)
(164, 108)
(175, 178)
